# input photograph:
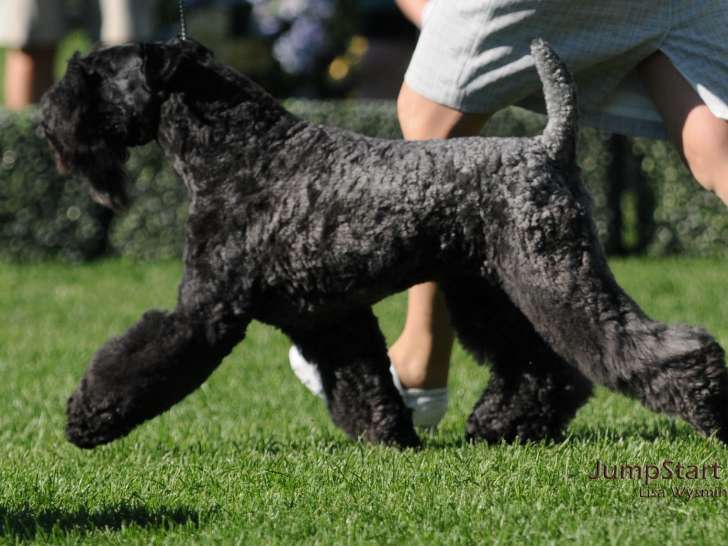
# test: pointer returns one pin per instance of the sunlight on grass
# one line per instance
(252, 457)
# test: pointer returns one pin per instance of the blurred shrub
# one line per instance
(153, 226)
(287, 46)
(44, 215)
(688, 219)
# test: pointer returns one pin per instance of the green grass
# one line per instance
(252, 458)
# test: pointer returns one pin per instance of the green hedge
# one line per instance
(689, 220)
(44, 215)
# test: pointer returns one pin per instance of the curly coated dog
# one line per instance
(305, 227)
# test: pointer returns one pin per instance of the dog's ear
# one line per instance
(80, 74)
(73, 125)
(162, 60)
(160, 63)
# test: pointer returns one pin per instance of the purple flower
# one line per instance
(266, 17)
(299, 48)
(271, 16)
(290, 9)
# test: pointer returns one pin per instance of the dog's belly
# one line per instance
(333, 287)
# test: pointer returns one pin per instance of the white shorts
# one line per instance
(33, 23)
(473, 55)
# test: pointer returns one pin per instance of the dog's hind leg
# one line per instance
(351, 355)
(554, 270)
(154, 365)
(532, 393)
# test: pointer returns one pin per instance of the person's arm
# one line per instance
(414, 10)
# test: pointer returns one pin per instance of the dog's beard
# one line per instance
(113, 192)
(107, 177)
(101, 163)
(103, 166)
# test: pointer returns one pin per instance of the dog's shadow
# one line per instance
(667, 431)
(27, 524)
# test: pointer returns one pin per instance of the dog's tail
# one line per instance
(559, 136)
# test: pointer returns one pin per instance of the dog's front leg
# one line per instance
(351, 356)
(154, 365)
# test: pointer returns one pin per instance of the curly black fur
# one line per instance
(305, 227)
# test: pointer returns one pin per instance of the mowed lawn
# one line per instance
(252, 457)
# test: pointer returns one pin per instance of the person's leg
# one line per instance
(421, 354)
(423, 119)
(29, 30)
(700, 137)
(28, 74)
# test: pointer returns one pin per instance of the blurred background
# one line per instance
(339, 62)
(308, 48)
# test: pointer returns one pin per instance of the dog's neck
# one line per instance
(215, 108)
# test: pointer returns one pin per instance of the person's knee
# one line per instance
(405, 110)
(701, 137)
(421, 118)
(418, 117)
(705, 169)
(706, 154)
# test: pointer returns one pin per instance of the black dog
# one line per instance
(305, 227)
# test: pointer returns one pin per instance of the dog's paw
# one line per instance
(400, 439)
(494, 429)
(91, 423)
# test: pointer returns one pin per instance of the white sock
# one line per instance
(428, 405)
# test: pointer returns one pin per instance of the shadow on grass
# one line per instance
(665, 431)
(29, 524)
(596, 434)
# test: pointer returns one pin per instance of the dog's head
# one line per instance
(108, 101)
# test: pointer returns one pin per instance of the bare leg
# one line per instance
(421, 354)
(413, 10)
(700, 137)
(28, 74)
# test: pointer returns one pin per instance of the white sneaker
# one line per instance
(428, 405)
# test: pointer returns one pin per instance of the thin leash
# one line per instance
(182, 35)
